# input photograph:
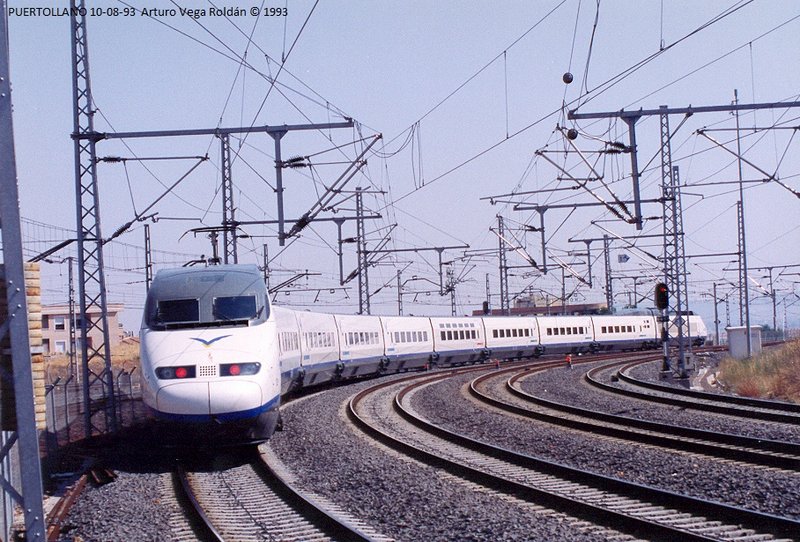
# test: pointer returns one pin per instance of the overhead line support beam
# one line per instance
(630, 118)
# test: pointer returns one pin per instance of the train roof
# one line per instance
(184, 281)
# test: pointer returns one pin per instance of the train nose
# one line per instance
(208, 398)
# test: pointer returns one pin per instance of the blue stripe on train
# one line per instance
(224, 417)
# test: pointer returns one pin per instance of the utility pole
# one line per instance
(744, 288)
(716, 318)
(266, 266)
(73, 369)
(229, 252)
(504, 302)
(488, 296)
(399, 295)
(674, 261)
(451, 287)
(91, 274)
(609, 282)
(363, 274)
(148, 259)
(22, 437)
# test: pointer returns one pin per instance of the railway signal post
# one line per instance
(661, 297)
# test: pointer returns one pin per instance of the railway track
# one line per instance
(255, 500)
(756, 451)
(383, 412)
(755, 409)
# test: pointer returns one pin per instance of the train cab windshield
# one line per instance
(238, 307)
(172, 311)
(211, 297)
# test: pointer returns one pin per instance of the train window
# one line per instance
(444, 337)
(237, 307)
(527, 332)
(494, 333)
(178, 310)
(461, 335)
(549, 331)
(563, 331)
(414, 336)
(569, 331)
(449, 335)
(513, 332)
(630, 329)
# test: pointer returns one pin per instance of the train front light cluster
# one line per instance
(239, 369)
(170, 373)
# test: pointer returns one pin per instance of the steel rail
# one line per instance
(712, 405)
(332, 524)
(765, 404)
(203, 523)
(757, 451)
(639, 526)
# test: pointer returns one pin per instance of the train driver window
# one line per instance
(177, 310)
(237, 307)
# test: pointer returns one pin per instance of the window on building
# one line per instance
(61, 347)
(59, 323)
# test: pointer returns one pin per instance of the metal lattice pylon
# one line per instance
(607, 266)
(504, 301)
(229, 253)
(14, 326)
(98, 379)
(674, 256)
(363, 262)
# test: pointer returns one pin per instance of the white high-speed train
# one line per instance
(216, 356)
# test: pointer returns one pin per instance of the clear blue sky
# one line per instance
(392, 66)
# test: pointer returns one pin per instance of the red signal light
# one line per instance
(181, 372)
(234, 370)
(662, 296)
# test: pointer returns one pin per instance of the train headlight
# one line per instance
(239, 369)
(170, 373)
